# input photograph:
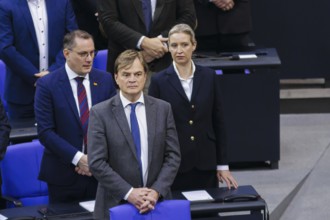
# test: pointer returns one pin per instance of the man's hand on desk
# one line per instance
(155, 47)
(82, 166)
(225, 176)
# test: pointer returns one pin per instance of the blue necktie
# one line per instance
(136, 135)
(146, 8)
(83, 107)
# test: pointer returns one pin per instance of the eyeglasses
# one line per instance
(85, 54)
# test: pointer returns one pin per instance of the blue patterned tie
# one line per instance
(83, 107)
(136, 135)
(146, 8)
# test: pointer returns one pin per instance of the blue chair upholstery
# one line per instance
(165, 210)
(2, 83)
(100, 61)
(19, 170)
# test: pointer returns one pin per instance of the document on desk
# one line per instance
(88, 205)
(2, 217)
(198, 196)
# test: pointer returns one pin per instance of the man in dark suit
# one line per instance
(4, 131)
(126, 27)
(223, 24)
(85, 12)
(62, 103)
(31, 34)
(138, 168)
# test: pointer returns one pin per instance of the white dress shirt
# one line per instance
(72, 75)
(140, 112)
(153, 8)
(40, 21)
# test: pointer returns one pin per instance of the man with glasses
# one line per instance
(62, 102)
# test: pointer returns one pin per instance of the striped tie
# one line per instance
(83, 107)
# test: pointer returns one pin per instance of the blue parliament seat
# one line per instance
(100, 61)
(165, 210)
(19, 171)
(2, 82)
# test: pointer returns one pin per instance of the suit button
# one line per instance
(192, 138)
(191, 122)
(192, 106)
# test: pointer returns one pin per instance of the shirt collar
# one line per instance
(193, 70)
(126, 102)
(72, 75)
(34, 1)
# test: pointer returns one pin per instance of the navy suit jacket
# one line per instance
(59, 126)
(19, 46)
(199, 122)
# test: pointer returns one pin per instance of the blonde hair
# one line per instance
(183, 28)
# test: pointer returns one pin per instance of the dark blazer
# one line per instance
(19, 47)
(59, 126)
(112, 155)
(123, 22)
(199, 122)
(87, 21)
(212, 20)
(4, 131)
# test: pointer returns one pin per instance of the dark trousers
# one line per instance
(83, 189)
(195, 180)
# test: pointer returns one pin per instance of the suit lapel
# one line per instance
(94, 83)
(151, 112)
(174, 81)
(25, 11)
(158, 10)
(120, 117)
(51, 10)
(138, 7)
(65, 87)
(198, 79)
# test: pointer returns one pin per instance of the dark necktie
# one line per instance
(146, 8)
(83, 107)
(136, 135)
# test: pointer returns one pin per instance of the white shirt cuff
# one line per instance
(138, 46)
(127, 194)
(77, 157)
(222, 167)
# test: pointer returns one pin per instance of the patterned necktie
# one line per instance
(146, 8)
(83, 107)
(136, 135)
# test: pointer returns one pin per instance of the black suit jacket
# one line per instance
(87, 21)
(123, 22)
(4, 131)
(199, 122)
(212, 20)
